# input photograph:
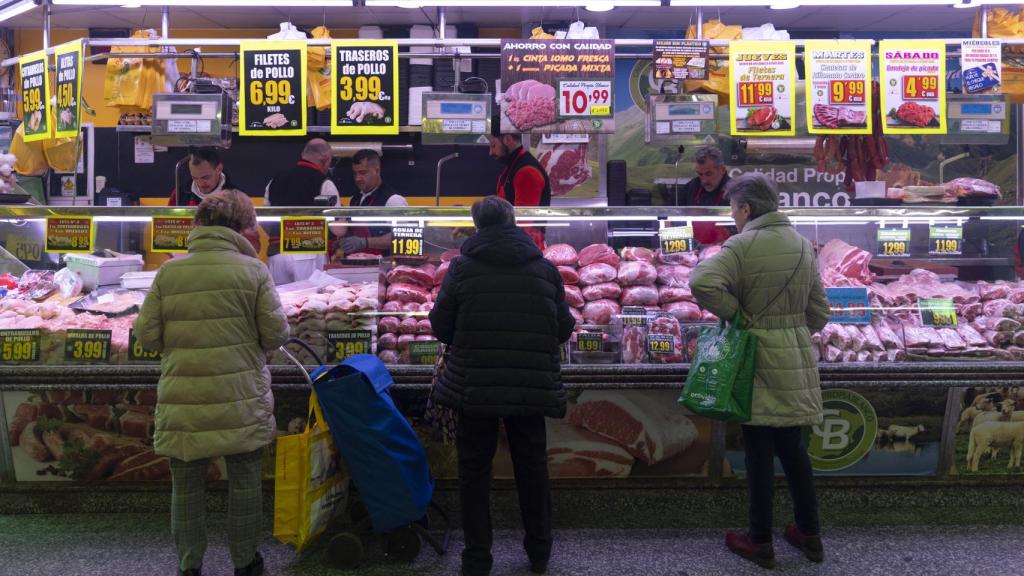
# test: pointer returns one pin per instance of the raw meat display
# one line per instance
(609, 290)
(440, 273)
(597, 273)
(667, 325)
(420, 276)
(857, 157)
(569, 275)
(449, 255)
(389, 325)
(648, 424)
(836, 116)
(408, 293)
(575, 452)
(576, 314)
(639, 254)
(600, 311)
(837, 259)
(598, 253)
(634, 344)
(639, 296)
(637, 273)
(408, 326)
(530, 104)
(688, 259)
(566, 165)
(574, 297)
(684, 311)
(387, 341)
(670, 294)
(673, 275)
(915, 114)
(710, 251)
(972, 188)
(391, 307)
(561, 255)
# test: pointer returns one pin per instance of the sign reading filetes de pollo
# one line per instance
(273, 94)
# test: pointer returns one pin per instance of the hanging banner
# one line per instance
(273, 78)
(35, 96)
(558, 86)
(761, 82)
(838, 87)
(681, 59)
(913, 90)
(981, 63)
(69, 89)
(365, 87)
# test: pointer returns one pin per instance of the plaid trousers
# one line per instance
(245, 508)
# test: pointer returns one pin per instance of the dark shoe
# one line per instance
(761, 554)
(809, 545)
(255, 568)
(192, 572)
(538, 566)
(465, 572)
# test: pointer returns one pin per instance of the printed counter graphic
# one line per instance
(990, 432)
(273, 89)
(913, 86)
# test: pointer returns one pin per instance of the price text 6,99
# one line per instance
(270, 92)
(139, 352)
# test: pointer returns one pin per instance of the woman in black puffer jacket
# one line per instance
(502, 312)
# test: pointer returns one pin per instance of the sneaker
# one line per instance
(809, 545)
(761, 554)
(255, 568)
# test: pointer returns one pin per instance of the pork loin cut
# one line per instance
(577, 453)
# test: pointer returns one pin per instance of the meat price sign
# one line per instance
(937, 312)
(660, 343)
(558, 86)
(137, 352)
(364, 87)
(69, 234)
(19, 346)
(945, 240)
(170, 233)
(69, 89)
(634, 316)
(407, 241)
(348, 343)
(87, 347)
(894, 242)
(848, 305)
(676, 239)
(303, 235)
(35, 96)
(838, 85)
(589, 342)
(761, 82)
(423, 353)
(273, 88)
(913, 91)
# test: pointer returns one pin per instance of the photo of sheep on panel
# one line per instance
(990, 431)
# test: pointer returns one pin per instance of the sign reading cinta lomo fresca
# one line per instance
(273, 76)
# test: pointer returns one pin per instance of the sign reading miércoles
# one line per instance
(273, 87)
(847, 433)
(69, 89)
(913, 74)
(365, 87)
(35, 96)
(981, 62)
(838, 82)
(761, 88)
(558, 86)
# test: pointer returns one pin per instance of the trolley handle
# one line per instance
(291, 357)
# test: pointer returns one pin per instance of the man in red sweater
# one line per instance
(523, 182)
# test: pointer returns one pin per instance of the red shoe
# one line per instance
(761, 554)
(809, 545)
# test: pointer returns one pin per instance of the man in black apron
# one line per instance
(371, 191)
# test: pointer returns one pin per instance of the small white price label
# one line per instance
(584, 98)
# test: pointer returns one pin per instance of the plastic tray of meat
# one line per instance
(111, 302)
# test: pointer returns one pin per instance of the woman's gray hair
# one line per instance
(229, 208)
(493, 211)
(755, 189)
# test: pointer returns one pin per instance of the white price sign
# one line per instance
(584, 98)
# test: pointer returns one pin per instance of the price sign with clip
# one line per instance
(170, 233)
(676, 239)
(87, 347)
(303, 235)
(660, 343)
(69, 89)
(423, 353)
(893, 242)
(848, 305)
(70, 234)
(349, 343)
(584, 98)
(912, 82)
(406, 241)
(634, 316)
(273, 88)
(35, 96)
(937, 312)
(945, 240)
(137, 353)
(589, 342)
(19, 346)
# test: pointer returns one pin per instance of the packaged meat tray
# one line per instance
(111, 302)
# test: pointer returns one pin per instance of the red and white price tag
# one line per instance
(584, 98)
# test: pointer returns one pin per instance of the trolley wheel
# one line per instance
(345, 551)
(403, 544)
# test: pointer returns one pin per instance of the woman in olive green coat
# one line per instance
(214, 315)
(768, 273)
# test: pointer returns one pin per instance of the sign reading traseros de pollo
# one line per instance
(913, 74)
(365, 87)
(69, 89)
(273, 78)
(170, 233)
(35, 96)
(558, 86)
(838, 82)
(761, 82)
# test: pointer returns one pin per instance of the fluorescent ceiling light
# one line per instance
(592, 5)
(213, 3)
(785, 4)
(978, 3)
(877, 2)
(13, 9)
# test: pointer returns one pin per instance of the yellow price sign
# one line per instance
(589, 342)
(350, 343)
(271, 92)
(19, 346)
(137, 352)
(660, 343)
(945, 240)
(893, 242)
(273, 87)
(87, 346)
(35, 96)
(938, 312)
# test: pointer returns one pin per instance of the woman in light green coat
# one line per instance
(213, 315)
(768, 273)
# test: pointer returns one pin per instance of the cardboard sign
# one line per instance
(170, 233)
(761, 88)
(945, 240)
(676, 239)
(406, 241)
(681, 59)
(87, 347)
(894, 242)
(913, 77)
(69, 89)
(365, 87)
(348, 343)
(273, 84)
(849, 305)
(19, 346)
(72, 234)
(838, 87)
(35, 96)
(303, 235)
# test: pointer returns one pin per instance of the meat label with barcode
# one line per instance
(838, 85)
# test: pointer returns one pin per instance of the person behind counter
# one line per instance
(523, 182)
(299, 185)
(768, 274)
(371, 191)
(502, 311)
(707, 189)
(208, 176)
(214, 315)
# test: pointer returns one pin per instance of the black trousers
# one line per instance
(761, 445)
(477, 441)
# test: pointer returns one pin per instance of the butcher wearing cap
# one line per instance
(523, 182)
